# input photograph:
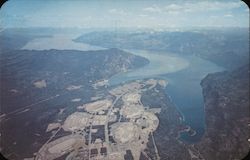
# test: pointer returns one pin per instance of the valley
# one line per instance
(78, 101)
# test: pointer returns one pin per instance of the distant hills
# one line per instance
(228, 48)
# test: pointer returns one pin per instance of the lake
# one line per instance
(184, 74)
(60, 42)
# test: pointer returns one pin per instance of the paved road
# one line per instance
(107, 120)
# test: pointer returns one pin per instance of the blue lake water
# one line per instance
(184, 74)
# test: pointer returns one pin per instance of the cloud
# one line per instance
(173, 12)
(202, 6)
(228, 15)
(143, 15)
(174, 7)
(118, 12)
(152, 9)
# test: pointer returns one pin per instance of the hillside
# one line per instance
(227, 48)
(21, 68)
(226, 98)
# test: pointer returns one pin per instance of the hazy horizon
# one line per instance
(120, 14)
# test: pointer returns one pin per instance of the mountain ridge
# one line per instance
(226, 101)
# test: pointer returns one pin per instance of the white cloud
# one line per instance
(112, 10)
(118, 12)
(174, 7)
(153, 8)
(174, 12)
(213, 17)
(143, 15)
(202, 6)
(228, 15)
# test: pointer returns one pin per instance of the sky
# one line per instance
(121, 13)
